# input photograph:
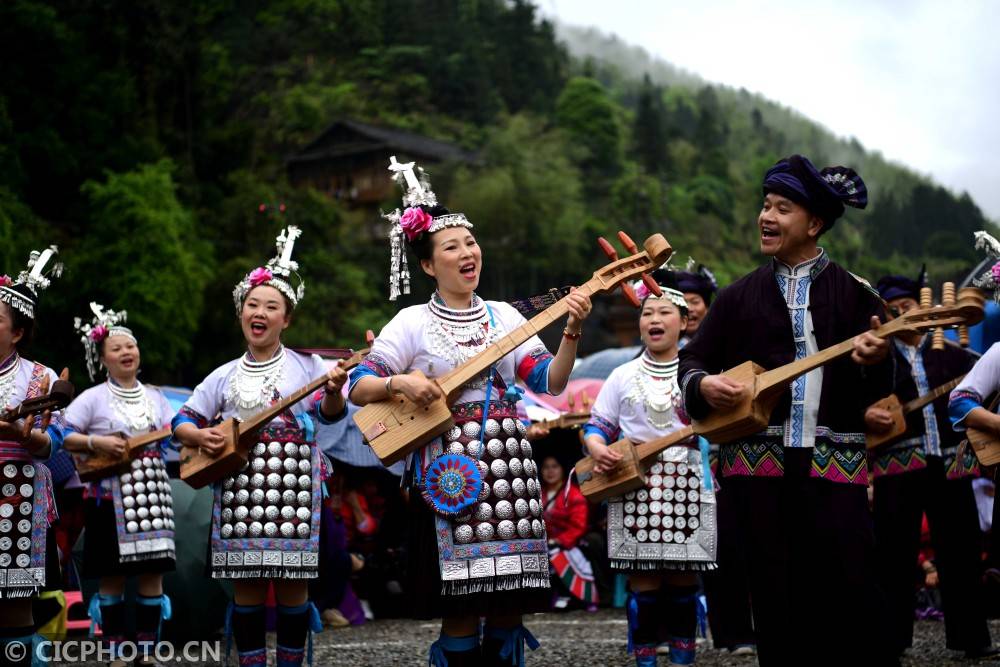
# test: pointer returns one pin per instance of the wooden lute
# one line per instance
(92, 466)
(199, 467)
(899, 411)
(53, 398)
(764, 388)
(630, 473)
(396, 426)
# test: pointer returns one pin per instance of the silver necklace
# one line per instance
(459, 335)
(657, 386)
(253, 384)
(132, 406)
(8, 380)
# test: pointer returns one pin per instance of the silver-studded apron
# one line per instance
(27, 509)
(144, 509)
(670, 524)
(266, 517)
(500, 544)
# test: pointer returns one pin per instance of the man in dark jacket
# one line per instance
(922, 473)
(796, 492)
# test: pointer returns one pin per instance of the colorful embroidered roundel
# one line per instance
(452, 483)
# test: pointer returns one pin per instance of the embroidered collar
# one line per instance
(920, 346)
(812, 267)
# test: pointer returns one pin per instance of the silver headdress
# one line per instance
(277, 273)
(104, 325)
(412, 222)
(990, 280)
(22, 292)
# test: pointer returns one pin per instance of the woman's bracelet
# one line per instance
(388, 386)
(90, 442)
(569, 335)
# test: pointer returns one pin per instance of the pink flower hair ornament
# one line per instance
(259, 276)
(415, 221)
(98, 333)
(5, 281)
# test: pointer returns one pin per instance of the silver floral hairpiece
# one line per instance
(413, 221)
(104, 325)
(277, 273)
(33, 279)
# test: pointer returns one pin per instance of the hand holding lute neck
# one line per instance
(870, 349)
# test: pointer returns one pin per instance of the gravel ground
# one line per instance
(568, 639)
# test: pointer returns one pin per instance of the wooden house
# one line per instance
(348, 160)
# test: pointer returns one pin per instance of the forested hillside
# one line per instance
(143, 136)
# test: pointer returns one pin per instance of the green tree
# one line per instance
(649, 135)
(590, 117)
(144, 253)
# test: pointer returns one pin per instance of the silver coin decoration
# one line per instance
(304, 499)
(474, 448)
(454, 433)
(519, 488)
(274, 448)
(641, 522)
(256, 528)
(680, 522)
(492, 428)
(10, 470)
(525, 449)
(680, 495)
(287, 529)
(484, 512)
(303, 530)
(521, 428)
(157, 524)
(521, 507)
(305, 452)
(272, 496)
(271, 528)
(532, 486)
(288, 497)
(137, 488)
(274, 464)
(537, 528)
(258, 449)
(509, 426)
(303, 514)
(305, 482)
(484, 492)
(271, 513)
(629, 521)
(495, 448)
(257, 496)
(499, 468)
(641, 535)
(287, 513)
(456, 448)
(257, 480)
(484, 469)
(505, 530)
(535, 507)
(145, 525)
(256, 513)
(501, 488)
(23, 560)
(291, 465)
(471, 429)
(524, 528)
(654, 520)
(274, 480)
(504, 510)
(484, 532)
(513, 447)
(6, 511)
(155, 511)
(241, 513)
(142, 512)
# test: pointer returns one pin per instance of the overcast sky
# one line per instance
(917, 80)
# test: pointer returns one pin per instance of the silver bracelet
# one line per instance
(388, 386)
(90, 442)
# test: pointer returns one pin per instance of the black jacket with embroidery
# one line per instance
(749, 321)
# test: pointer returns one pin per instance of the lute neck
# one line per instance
(777, 380)
(453, 381)
(931, 396)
